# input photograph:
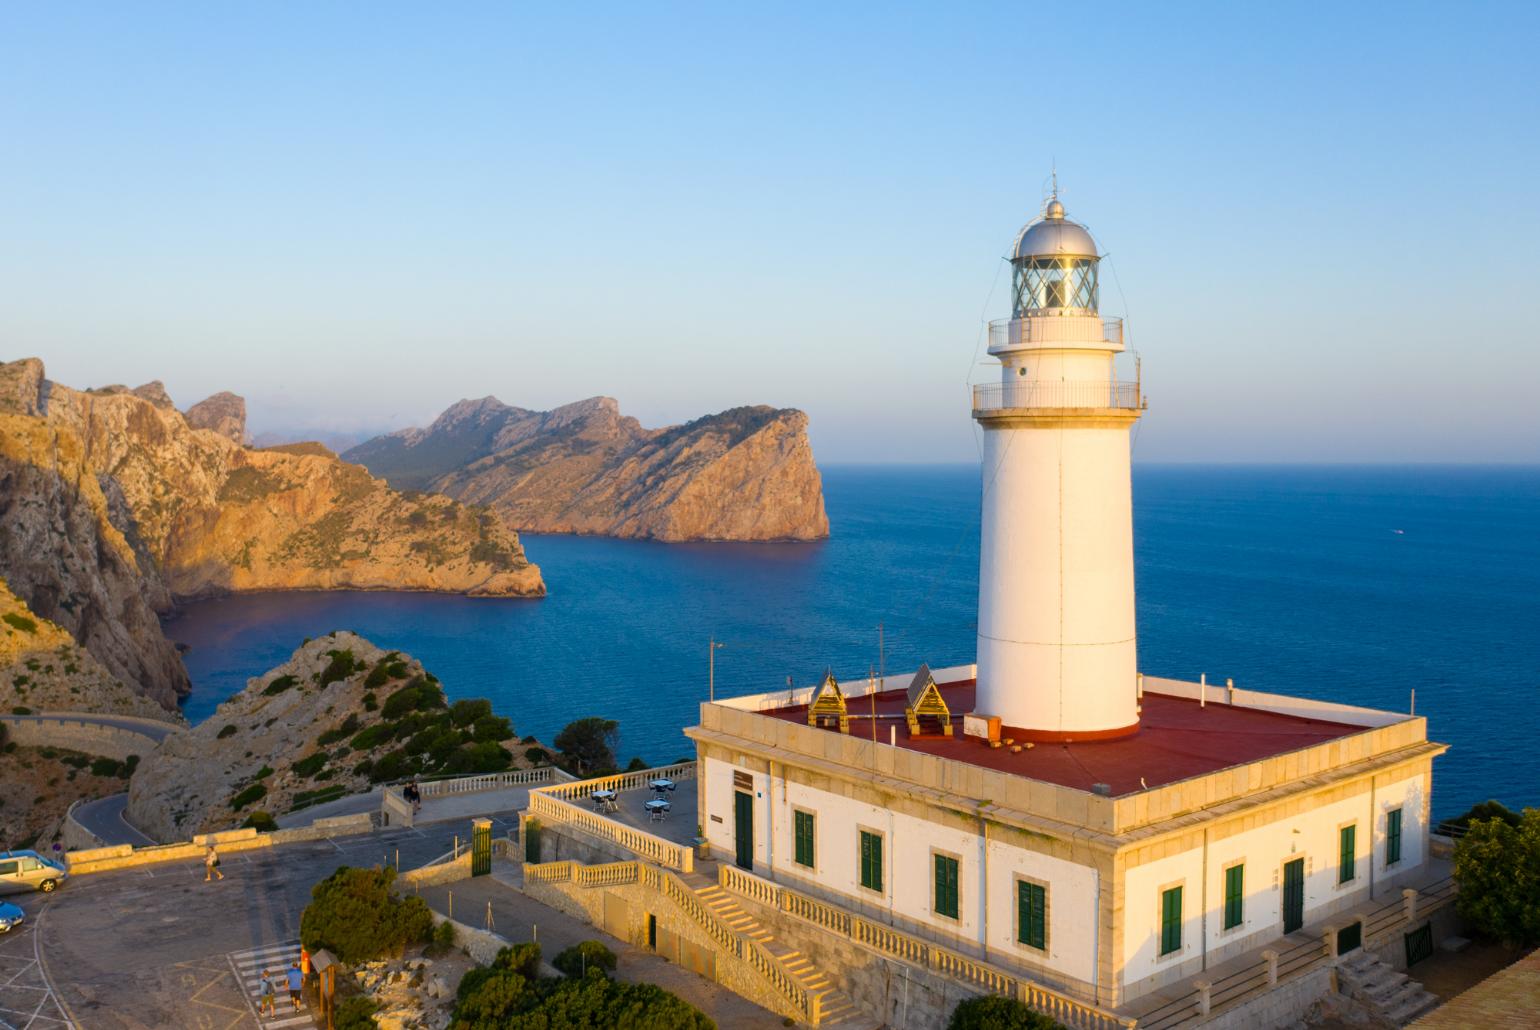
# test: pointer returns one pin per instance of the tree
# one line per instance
(355, 915)
(587, 746)
(583, 956)
(1497, 865)
(997, 1012)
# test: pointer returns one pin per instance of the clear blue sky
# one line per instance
(1323, 219)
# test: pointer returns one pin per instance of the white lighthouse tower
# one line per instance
(1056, 648)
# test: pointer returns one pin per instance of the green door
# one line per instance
(481, 847)
(1293, 895)
(743, 828)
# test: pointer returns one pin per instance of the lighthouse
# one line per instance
(1056, 642)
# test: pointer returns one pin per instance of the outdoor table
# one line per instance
(605, 799)
(657, 807)
(662, 784)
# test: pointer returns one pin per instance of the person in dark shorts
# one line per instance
(296, 982)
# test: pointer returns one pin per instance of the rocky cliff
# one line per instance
(113, 504)
(742, 474)
(339, 715)
(43, 669)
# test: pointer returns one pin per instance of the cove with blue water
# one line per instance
(1351, 584)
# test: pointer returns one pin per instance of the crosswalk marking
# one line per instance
(275, 958)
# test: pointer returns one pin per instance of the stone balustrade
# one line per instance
(907, 948)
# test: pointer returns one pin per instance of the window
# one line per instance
(1349, 840)
(802, 827)
(1170, 920)
(871, 860)
(8, 867)
(1235, 896)
(946, 886)
(1393, 836)
(1032, 914)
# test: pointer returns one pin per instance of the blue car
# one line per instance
(10, 916)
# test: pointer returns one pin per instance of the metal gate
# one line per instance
(481, 847)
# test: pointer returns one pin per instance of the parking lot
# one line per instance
(152, 946)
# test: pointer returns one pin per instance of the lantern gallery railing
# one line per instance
(1045, 328)
(1057, 393)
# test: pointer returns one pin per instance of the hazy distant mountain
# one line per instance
(741, 474)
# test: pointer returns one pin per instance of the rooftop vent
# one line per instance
(1101, 789)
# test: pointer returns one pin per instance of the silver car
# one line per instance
(27, 871)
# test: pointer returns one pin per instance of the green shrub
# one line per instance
(21, 710)
(364, 768)
(492, 727)
(1497, 866)
(377, 677)
(537, 756)
(356, 916)
(587, 745)
(1481, 810)
(228, 731)
(371, 703)
(263, 773)
(401, 701)
(637, 764)
(373, 736)
(997, 1012)
(261, 821)
(279, 685)
(513, 998)
(348, 727)
(469, 710)
(443, 939)
(342, 665)
(356, 1013)
(20, 622)
(247, 796)
(583, 956)
(310, 764)
(106, 767)
(129, 765)
(390, 766)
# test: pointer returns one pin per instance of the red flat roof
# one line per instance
(1177, 739)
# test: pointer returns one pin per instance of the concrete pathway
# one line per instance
(105, 817)
(520, 918)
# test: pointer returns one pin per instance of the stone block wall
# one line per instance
(91, 738)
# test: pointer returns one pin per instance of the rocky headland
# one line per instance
(338, 716)
(114, 505)
(742, 474)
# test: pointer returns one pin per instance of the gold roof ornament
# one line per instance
(925, 700)
(827, 708)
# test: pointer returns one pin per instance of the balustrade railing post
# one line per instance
(1409, 903)
(1205, 1001)
(1270, 957)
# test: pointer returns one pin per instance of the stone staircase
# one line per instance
(837, 1009)
(1396, 997)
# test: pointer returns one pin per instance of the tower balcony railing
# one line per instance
(1044, 328)
(1058, 393)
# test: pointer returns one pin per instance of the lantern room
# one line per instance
(1054, 262)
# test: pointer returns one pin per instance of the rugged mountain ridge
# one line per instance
(741, 474)
(113, 504)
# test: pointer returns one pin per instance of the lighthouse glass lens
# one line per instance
(1065, 284)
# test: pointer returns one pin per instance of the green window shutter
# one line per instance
(1393, 836)
(1235, 895)
(1171, 921)
(803, 824)
(1031, 914)
(1345, 858)
(871, 861)
(946, 886)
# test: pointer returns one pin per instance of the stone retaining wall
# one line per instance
(123, 856)
(622, 911)
(92, 738)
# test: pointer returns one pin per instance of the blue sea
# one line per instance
(1354, 584)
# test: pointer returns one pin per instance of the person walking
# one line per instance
(211, 865)
(296, 984)
(269, 995)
